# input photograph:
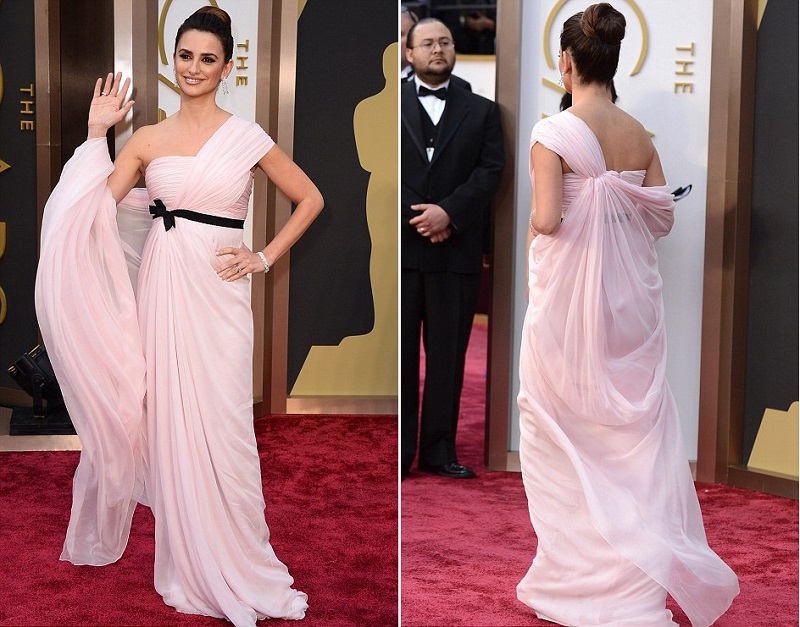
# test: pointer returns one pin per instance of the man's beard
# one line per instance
(438, 74)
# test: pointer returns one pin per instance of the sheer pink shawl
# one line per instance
(86, 308)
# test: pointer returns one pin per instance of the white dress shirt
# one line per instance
(433, 105)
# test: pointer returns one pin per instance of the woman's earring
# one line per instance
(225, 86)
(561, 80)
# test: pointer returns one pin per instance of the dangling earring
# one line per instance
(561, 80)
(225, 86)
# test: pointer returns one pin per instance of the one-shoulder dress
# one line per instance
(153, 352)
(609, 487)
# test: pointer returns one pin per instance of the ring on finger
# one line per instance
(238, 269)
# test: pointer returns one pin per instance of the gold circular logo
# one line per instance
(548, 27)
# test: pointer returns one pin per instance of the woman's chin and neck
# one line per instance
(198, 107)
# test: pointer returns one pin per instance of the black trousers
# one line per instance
(440, 306)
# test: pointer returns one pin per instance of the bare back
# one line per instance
(624, 142)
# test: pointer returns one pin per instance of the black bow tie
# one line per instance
(440, 93)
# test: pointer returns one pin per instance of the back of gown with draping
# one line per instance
(184, 347)
(609, 487)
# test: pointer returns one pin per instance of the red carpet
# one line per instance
(331, 489)
(467, 543)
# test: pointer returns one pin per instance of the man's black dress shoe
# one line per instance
(452, 470)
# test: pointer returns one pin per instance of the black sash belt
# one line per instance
(160, 211)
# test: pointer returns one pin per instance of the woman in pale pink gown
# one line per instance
(609, 488)
(147, 320)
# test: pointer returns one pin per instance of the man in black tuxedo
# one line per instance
(451, 159)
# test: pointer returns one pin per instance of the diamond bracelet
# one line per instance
(264, 261)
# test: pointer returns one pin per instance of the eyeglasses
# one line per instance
(428, 44)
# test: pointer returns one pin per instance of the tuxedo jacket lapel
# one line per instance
(455, 111)
(410, 112)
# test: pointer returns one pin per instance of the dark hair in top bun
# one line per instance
(593, 38)
(210, 20)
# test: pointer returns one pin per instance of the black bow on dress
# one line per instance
(160, 211)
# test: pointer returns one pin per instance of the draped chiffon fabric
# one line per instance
(610, 492)
(154, 355)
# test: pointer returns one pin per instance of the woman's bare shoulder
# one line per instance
(150, 132)
(634, 133)
(147, 141)
(630, 124)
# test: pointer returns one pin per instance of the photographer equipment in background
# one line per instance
(48, 416)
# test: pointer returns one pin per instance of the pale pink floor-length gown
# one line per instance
(158, 377)
(609, 488)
